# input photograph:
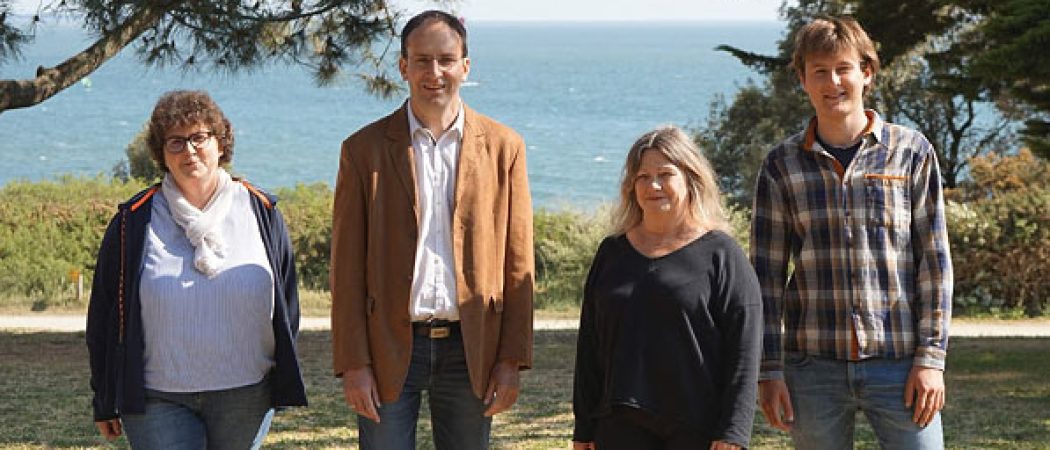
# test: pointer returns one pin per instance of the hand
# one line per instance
(774, 399)
(503, 388)
(723, 445)
(925, 388)
(110, 429)
(583, 445)
(359, 389)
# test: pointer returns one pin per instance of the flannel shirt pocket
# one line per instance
(887, 200)
(885, 211)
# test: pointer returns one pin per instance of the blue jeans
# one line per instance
(439, 367)
(234, 419)
(826, 395)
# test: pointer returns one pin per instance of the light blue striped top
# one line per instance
(206, 334)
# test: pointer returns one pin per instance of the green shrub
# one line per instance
(50, 228)
(740, 225)
(999, 226)
(565, 242)
(139, 163)
(307, 210)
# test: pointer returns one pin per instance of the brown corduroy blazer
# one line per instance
(374, 234)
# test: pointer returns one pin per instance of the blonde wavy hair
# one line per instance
(703, 195)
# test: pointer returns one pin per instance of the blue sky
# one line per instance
(577, 10)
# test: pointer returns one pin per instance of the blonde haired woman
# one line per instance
(670, 330)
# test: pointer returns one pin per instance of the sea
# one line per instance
(579, 93)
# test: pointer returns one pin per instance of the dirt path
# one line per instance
(960, 328)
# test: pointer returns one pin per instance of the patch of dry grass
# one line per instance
(998, 397)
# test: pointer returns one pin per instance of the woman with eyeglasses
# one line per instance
(194, 306)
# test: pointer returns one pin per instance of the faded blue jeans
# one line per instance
(234, 419)
(439, 367)
(826, 395)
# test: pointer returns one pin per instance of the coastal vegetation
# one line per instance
(999, 226)
(971, 75)
(998, 221)
(52, 229)
(50, 232)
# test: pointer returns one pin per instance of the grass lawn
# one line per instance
(998, 397)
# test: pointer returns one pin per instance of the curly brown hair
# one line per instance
(181, 108)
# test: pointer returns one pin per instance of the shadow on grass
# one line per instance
(998, 397)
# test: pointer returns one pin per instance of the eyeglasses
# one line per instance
(177, 144)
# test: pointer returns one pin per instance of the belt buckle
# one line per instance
(439, 332)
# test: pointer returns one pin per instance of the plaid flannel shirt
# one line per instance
(872, 274)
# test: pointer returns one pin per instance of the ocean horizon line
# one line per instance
(578, 93)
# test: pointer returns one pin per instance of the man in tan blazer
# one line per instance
(432, 263)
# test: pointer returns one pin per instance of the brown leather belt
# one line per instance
(435, 329)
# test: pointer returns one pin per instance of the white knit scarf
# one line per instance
(203, 227)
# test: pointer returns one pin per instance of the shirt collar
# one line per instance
(874, 129)
(415, 126)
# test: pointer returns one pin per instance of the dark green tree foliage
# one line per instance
(325, 36)
(926, 88)
(921, 84)
(139, 163)
(898, 26)
(737, 136)
(1012, 53)
(12, 38)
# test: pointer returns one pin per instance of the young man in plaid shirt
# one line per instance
(849, 242)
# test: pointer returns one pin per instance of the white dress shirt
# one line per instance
(434, 273)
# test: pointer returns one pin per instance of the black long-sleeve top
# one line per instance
(678, 337)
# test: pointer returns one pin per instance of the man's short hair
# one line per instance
(828, 35)
(418, 20)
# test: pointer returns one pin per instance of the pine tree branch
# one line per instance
(762, 63)
(16, 94)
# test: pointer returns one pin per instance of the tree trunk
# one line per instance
(50, 81)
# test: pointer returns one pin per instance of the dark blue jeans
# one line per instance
(439, 367)
(234, 419)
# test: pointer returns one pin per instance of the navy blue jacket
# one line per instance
(114, 325)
